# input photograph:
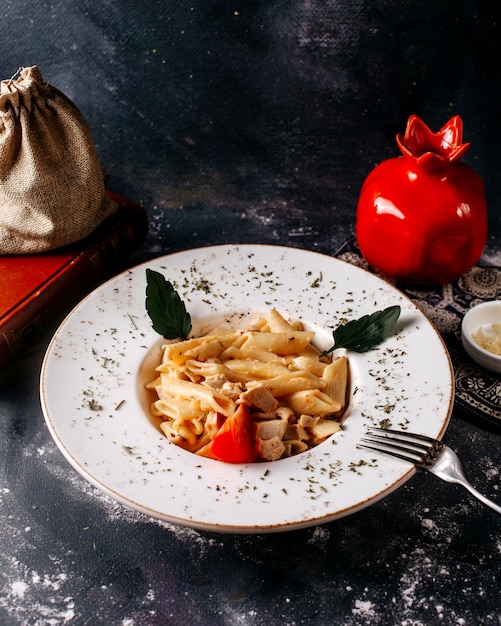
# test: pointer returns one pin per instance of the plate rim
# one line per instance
(228, 528)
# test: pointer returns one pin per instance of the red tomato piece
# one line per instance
(233, 442)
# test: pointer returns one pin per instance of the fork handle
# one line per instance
(448, 467)
(480, 496)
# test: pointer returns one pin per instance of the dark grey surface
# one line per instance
(251, 122)
(264, 106)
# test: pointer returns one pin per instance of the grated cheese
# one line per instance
(489, 338)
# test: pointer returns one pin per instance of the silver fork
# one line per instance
(431, 454)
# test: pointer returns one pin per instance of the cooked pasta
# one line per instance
(295, 397)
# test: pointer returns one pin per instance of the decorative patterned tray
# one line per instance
(478, 391)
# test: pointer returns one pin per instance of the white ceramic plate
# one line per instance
(96, 410)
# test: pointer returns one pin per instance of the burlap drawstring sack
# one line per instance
(51, 180)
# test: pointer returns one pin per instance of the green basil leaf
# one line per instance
(165, 308)
(367, 332)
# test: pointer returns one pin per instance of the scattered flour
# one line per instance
(492, 256)
(18, 589)
(31, 593)
(364, 608)
(25, 592)
(431, 527)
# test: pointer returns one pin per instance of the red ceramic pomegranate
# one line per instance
(422, 217)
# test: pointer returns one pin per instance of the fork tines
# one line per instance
(411, 447)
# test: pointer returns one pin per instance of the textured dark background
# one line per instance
(254, 108)
(257, 121)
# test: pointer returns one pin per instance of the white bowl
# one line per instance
(482, 315)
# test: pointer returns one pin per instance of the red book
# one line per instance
(36, 290)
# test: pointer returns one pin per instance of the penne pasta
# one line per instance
(279, 343)
(177, 408)
(251, 369)
(294, 396)
(322, 429)
(290, 382)
(210, 399)
(234, 353)
(336, 377)
(277, 323)
(311, 402)
(310, 363)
